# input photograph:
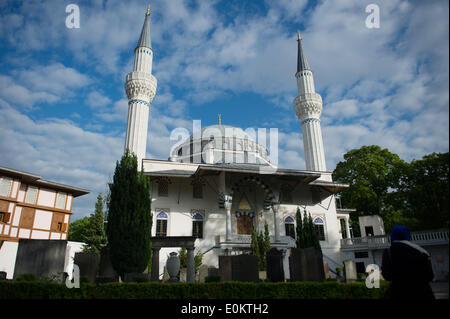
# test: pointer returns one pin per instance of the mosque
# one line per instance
(220, 183)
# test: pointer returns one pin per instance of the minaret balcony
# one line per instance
(141, 85)
(308, 105)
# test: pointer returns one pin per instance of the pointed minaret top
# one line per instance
(302, 62)
(145, 39)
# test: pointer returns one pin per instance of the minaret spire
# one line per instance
(140, 87)
(302, 62)
(145, 39)
(308, 106)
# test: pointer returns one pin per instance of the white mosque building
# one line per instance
(220, 183)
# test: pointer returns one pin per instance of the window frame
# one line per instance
(161, 223)
(65, 200)
(289, 222)
(27, 192)
(3, 178)
(197, 219)
(320, 228)
(163, 182)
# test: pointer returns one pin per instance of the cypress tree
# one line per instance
(255, 246)
(306, 231)
(95, 236)
(263, 246)
(299, 228)
(129, 217)
(314, 236)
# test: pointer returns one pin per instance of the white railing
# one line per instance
(246, 240)
(437, 237)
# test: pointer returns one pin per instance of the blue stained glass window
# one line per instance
(161, 214)
(197, 216)
(318, 220)
(289, 219)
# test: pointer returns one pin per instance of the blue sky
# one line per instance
(63, 106)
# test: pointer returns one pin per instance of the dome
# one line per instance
(218, 144)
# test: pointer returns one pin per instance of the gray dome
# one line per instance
(221, 144)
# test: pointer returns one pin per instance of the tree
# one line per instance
(263, 246)
(78, 229)
(299, 228)
(254, 246)
(306, 231)
(314, 236)
(129, 217)
(423, 190)
(198, 259)
(95, 236)
(414, 194)
(372, 174)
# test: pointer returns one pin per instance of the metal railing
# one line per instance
(434, 237)
(246, 240)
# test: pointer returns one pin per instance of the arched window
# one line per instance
(197, 225)
(289, 226)
(320, 227)
(161, 224)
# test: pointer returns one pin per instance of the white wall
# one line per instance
(46, 197)
(375, 221)
(180, 202)
(8, 254)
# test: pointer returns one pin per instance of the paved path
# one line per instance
(440, 289)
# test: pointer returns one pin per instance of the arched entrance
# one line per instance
(244, 224)
(244, 217)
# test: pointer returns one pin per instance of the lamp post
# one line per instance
(275, 208)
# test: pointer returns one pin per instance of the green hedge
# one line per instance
(226, 290)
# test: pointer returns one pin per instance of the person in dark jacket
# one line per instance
(407, 266)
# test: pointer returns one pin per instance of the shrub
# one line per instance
(84, 279)
(215, 278)
(27, 277)
(211, 290)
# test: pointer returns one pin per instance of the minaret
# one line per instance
(308, 106)
(141, 89)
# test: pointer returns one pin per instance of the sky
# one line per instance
(63, 107)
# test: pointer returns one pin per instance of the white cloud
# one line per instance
(386, 86)
(22, 96)
(59, 151)
(97, 100)
(54, 78)
(118, 112)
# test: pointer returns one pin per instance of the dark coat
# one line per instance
(408, 267)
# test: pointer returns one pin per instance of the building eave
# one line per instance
(38, 181)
